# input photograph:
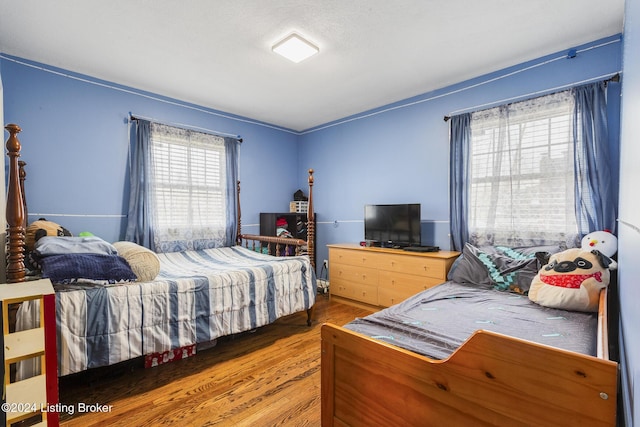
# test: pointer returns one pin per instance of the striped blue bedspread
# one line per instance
(197, 297)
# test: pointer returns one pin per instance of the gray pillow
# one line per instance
(504, 268)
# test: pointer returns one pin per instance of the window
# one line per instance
(188, 189)
(522, 172)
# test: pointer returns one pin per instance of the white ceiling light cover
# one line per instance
(295, 48)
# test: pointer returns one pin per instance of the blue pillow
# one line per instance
(99, 269)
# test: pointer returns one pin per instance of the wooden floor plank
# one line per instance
(268, 377)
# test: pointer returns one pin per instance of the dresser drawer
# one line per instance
(392, 280)
(396, 287)
(417, 265)
(388, 297)
(356, 257)
(355, 291)
(353, 273)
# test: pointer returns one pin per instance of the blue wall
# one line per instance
(400, 153)
(75, 142)
(629, 228)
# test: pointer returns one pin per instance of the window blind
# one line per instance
(189, 183)
(522, 171)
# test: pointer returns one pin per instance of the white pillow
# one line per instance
(143, 261)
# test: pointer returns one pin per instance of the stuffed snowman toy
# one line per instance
(603, 241)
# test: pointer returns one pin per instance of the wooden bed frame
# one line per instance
(492, 379)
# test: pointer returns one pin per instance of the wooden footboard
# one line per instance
(280, 245)
(265, 244)
(492, 379)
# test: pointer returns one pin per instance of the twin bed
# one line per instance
(464, 353)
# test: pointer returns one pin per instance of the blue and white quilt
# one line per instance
(197, 297)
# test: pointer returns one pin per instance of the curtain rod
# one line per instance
(137, 117)
(612, 78)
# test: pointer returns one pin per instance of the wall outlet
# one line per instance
(325, 263)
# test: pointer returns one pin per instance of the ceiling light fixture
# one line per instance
(295, 48)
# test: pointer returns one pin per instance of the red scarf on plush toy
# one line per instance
(572, 281)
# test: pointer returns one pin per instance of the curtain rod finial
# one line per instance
(447, 118)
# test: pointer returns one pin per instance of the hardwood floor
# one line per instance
(268, 377)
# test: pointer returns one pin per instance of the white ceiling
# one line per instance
(217, 53)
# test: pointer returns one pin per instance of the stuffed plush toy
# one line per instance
(603, 241)
(40, 228)
(572, 280)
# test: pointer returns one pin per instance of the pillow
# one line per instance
(86, 268)
(572, 280)
(144, 262)
(504, 268)
(468, 268)
(58, 245)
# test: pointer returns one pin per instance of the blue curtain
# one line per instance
(232, 146)
(595, 193)
(138, 226)
(460, 136)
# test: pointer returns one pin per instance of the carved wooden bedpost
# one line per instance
(311, 225)
(15, 211)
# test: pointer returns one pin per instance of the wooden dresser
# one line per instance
(381, 277)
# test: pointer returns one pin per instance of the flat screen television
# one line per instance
(393, 225)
